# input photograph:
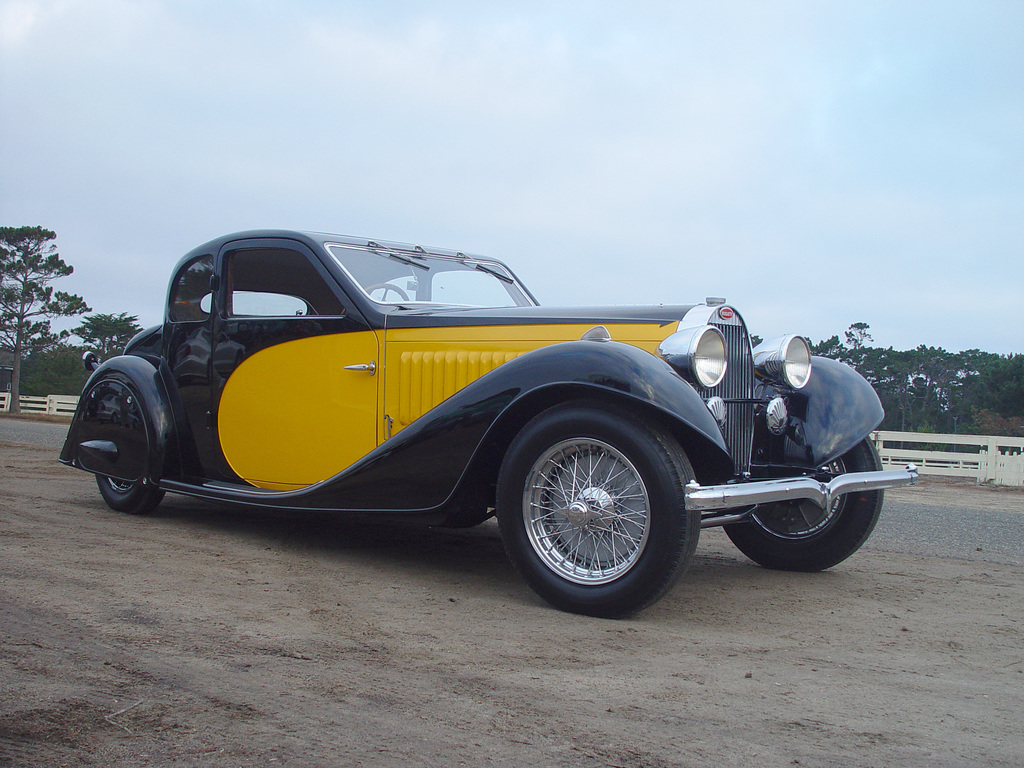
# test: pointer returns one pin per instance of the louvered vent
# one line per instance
(428, 378)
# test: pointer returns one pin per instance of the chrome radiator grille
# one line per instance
(737, 389)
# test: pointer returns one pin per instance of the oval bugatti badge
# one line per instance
(726, 313)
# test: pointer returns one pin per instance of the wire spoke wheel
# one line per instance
(591, 509)
(586, 511)
(121, 486)
(801, 518)
(800, 535)
(133, 497)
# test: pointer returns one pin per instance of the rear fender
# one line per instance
(123, 426)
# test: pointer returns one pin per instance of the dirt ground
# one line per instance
(208, 636)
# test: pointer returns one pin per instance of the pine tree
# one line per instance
(29, 262)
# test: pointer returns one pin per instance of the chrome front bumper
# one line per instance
(709, 498)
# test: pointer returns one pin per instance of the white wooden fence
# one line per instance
(52, 405)
(998, 460)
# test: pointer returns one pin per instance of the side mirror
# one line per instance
(91, 361)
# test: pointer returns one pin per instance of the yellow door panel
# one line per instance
(425, 366)
(292, 415)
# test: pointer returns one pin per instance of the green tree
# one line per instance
(107, 334)
(54, 371)
(831, 347)
(29, 262)
(1000, 399)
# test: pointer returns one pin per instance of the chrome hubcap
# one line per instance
(586, 511)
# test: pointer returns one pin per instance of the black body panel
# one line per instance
(124, 426)
(836, 409)
(448, 316)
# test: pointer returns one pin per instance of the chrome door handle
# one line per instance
(370, 366)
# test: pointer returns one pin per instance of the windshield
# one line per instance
(414, 277)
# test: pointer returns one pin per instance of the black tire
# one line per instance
(133, 498)
(591, 509)
(800, 536)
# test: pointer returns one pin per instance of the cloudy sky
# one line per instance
(816, 163)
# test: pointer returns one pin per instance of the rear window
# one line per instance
(190, 293)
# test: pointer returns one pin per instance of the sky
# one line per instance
(817, 164)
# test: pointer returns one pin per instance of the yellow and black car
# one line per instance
(319, 372)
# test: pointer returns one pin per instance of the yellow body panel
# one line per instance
(291, 415)
(425, 366)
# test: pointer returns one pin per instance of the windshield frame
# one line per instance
(418, 258)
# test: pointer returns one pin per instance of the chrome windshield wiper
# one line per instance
(405, 258)
(491, 271)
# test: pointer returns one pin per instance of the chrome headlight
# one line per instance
(784, 360)
(697, 353)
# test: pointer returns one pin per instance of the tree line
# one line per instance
(929, 389)
(926, 389)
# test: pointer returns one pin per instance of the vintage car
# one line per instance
(318, 372)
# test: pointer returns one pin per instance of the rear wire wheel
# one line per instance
(132, 497)
(590, 506)
(801, 536)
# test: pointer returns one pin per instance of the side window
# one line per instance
(190, 296)
(277, 282)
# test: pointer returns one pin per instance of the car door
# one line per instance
(293, 368)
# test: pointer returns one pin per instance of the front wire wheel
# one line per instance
(590, 506)
(800, 535)
(586, 511)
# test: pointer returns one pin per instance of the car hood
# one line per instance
(456, 316)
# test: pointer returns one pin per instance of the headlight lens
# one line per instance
(798, 362)
(784, 360)
(697, 353)
(709, 358)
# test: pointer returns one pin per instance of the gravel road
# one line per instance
(212, 636)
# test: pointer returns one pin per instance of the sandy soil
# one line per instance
(204, 636)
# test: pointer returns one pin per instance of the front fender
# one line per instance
(123, 425)
(836, 410)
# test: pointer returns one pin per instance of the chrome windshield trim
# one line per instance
(708, 498)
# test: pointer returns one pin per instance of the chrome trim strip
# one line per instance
(707, 498)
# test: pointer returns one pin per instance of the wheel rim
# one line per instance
(802, 518)
(586, 510)
(121, 486)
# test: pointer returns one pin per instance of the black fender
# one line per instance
(459, 443)
(123, 426)
(835, 411)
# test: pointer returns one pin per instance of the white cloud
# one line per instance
(17, 20)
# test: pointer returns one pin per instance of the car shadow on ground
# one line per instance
(344, 535)
(719, 582)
